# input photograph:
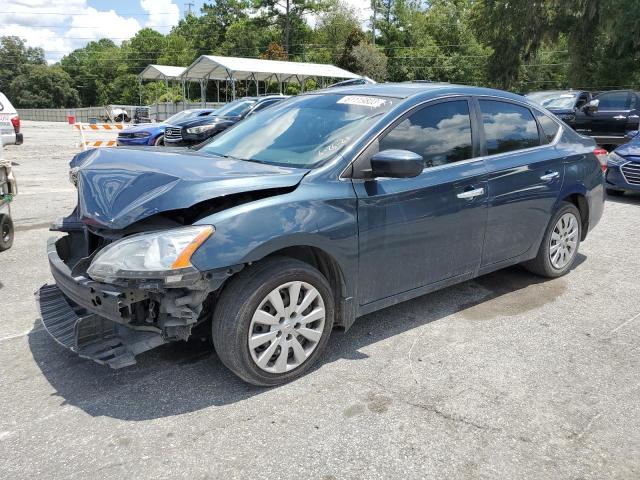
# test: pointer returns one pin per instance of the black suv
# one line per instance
(196, 130)
(565, 104)
(615, 114)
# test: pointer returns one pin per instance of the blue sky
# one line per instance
(60, 26)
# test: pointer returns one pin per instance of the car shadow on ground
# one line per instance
(185, 377)
(629, 198)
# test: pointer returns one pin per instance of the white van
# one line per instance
(9, 123)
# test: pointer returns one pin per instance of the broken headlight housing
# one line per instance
(157, 255)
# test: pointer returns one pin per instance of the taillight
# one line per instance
(601, 154)
(16, 123)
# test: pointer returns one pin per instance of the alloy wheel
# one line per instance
(564, 241)
(286, 327)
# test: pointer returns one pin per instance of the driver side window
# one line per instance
(441, 133)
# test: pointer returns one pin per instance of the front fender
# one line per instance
(321, 216)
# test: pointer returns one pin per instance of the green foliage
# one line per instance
(39, 86)
(520, 45)
(15, 57)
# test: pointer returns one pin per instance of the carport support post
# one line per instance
(203, 91)
(184, 94)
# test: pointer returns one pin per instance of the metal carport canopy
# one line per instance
(236, 68)
(162, 72)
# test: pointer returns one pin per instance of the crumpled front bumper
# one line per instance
(91, 318)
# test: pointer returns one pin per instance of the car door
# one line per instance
(418, 231)
(525, 177)
(613, 113)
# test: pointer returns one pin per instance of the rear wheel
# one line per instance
(560, 244)
(6, 232)
(273, 321)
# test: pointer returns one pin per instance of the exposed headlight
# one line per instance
(201, 128)
(615, 160)
(163, 255)
(141, 134)
(567, 117)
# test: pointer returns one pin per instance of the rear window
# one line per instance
(508, 127)
(549, 126)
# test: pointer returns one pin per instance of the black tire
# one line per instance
(614, 193)
(6, 232)
(159, 142)
(541, 264)
(238, 303)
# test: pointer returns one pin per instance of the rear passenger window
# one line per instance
(549, 127)
(508, 127)
(441, 133)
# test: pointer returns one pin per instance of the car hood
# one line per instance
(631, 149)
(117, 187)
(207, 120)
(145, 127)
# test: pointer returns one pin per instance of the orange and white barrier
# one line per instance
(85, 128)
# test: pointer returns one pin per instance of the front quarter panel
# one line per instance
(317, 215)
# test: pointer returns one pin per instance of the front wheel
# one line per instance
(159, 142)
(273, 321)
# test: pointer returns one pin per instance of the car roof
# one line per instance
(412, 89)
(577, 92)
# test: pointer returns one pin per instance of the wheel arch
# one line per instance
(580, 201)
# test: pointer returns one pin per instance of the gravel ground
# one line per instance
(506, 376)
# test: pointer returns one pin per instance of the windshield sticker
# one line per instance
(362, 101)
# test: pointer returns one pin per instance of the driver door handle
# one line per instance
(549, 176)
(471, 193)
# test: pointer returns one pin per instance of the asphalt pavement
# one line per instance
(508, 376)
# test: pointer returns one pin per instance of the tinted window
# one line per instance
(440, 133)
(549, 127)
(508, 127)
(634, 102)
(613, 101)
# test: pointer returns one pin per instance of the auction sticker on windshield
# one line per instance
(362, 101)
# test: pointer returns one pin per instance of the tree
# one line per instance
(146, 47)
(332, 30)
(274, 52)
(370, 61)
(40, 86)
(15, 56)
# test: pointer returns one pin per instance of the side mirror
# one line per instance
(591, 107)
(396, 164)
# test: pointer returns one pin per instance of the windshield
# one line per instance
(554, 99)
(236, 108)
(302, 132)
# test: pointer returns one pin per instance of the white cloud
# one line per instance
(60, 26)
(164, 14)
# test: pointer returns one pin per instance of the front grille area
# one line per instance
(631, 173)
(173, 133)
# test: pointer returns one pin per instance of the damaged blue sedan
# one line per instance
(321, 209)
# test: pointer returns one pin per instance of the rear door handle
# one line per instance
(471, 193)
(619, 117)
(547, 177)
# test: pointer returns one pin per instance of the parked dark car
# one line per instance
(617, 113)
(307, 215)
(153, 133)
(623, 167)
(565, 104)
(195, 131)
